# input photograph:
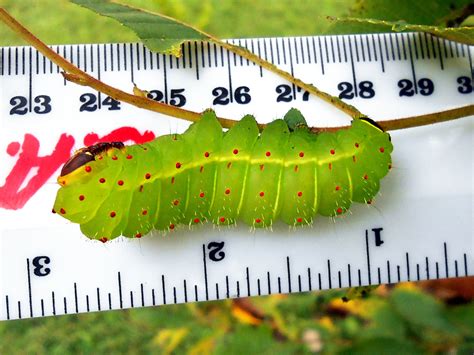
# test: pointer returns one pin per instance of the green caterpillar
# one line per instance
(206, 174)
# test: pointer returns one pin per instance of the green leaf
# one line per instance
(458, 34)
(157, 32)
(384, 346)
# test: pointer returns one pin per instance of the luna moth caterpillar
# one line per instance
(206, 174)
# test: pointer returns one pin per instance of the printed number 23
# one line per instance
(20, 105)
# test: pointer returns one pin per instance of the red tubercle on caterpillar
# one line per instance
(258, 220)
(357, 145)
(172, 226)
(138, 235)
(382, 149)
(120, 183)
(112, 214)
(227, 191)
(81, 197)
(114, 157)
(172, 180)
(339, 210)
(235, 151)
(299, 194)
(262, 166)
(176, 202)
(301, 155)
(196, 220)
(330, 166)
(261, 194)
(299, 220)
(201, 194)
(332, 151)
(338, 188)
(103, 240)
(62, 211)
(144, 212)
(147, 176)
(129, 157)
(178, 165)
(268, 154)
(222, 219)
(102, 180)
(88, 169)
(206, 154)
(366, 177)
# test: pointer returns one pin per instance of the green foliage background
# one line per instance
(404, 320)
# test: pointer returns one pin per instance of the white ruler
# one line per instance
(419, 227)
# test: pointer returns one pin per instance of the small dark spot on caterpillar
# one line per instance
(222, 219)
(88, 169)
(262, 167)
(369, 202)
(141, 188)
(101, 180)
(300, 193)
(339, 210)
(114, 157)
(258, 220)
(332, 151)
(81, 197)
(366, 177)
(301, 154)
(229, 164)
(330, 166)
(268, 154)
(53, 210)
(354, 158)
(201, 169)
(338, 188)
(356, 145)
(172, 180)
(129, 156)
(196, 220)
(138, 235)
(144, 212)
(103, 239)
(296, 168)
(382, 149)
(62, 211)
(147, 176)
(120, 182)
(63, 182)
(112, 214)
(171, 226)
(235, 151)
(201, 194)
(389, 166)
(178, 165)
(261, 194)
(176, 202)
(206, 154)
(227, 191)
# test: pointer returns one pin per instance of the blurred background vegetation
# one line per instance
(430, 317)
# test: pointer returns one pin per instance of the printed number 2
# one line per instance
(366, 90)
(20, 105)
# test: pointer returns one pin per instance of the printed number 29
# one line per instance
(364, 90)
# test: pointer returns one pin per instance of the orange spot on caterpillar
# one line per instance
(172, 180)
(222, 219)
(268, 154)
(382, 149)
(332, 151)
(103, 239)
(112, 214)
(138, 235)
(300, 193)
(176, 202)
(62, 211)
(171, 226)
(262, 167)
(338, 188)
(227, 191)
(101, 157)
(366, 177)
(114, 157)
(229, 164)
(88, 169)
(356, 145)
(141, 188)
(299, 220)
(258, 220)
(129, 156)
(147, 176)
(261, 194)
(201, 194)
(296, 168)
(63, 182)
(101, 180)
(206, 154)
(196, 220)
(339, 210)
(235, 151)
(330, 166)
(178, 165)
(354, 158)
(301, 154)
(81, 197)
(144, 212)
(201, 169)
(120, 182)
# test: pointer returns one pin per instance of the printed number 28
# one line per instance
(364, 90)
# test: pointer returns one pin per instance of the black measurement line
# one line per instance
(349, 276)
(465, 265)
(329, 275)
(142, 295)
(132, 73)
(75, 298)
(248, 280)
(99, 94)
(110, 300)
(196, 58)
(87, 304)
(310, 287)
(437, 270)
(299, 283)
(196, 297)
(418, 272)
(19, 310)
(30, 80)
(185, 290)
(174, 295)
(446, 259)
(238, 288)
(338, 278)
(352, 67)
(7, 305)
(288, 273)
(379, 276)
(439, 52)
(65, 305)
(153, 297)
(359, 276)
(227, 291)
(98, 300)
(427, 268)
(120, 289)
(398, 273)
(279, 284)
(321, 55)
(356, 48)
(408, 266)
(269, 283)
(30, 298)
(258, 287)
(42, 307)
(326, 50)
(53, 302)
(292, 71)
(412, 65)
(369, 54)
(338, 50)
(217, 291)
(205, 270)
(368, 256)
(165, 78)
(456, 268)
(163, 289)
(332, 50)
(131, 300)
(319, 281)
(389, 278)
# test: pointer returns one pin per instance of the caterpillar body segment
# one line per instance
(205, 174)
